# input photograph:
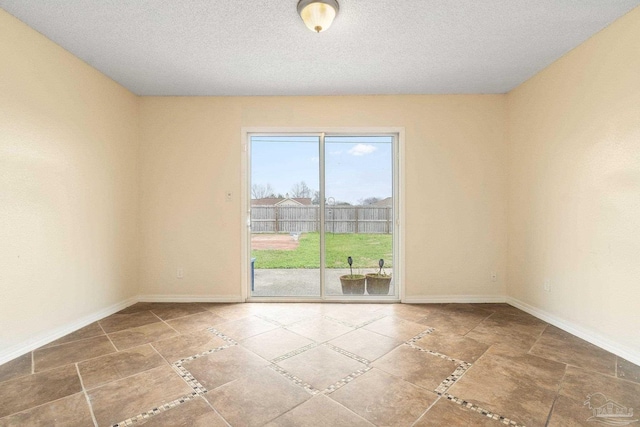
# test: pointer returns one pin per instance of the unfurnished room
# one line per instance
(319, 213)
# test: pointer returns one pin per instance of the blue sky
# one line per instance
(356, 167)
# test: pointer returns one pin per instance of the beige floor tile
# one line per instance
(224, 366)
(183, 346)
(138, 307)
(334, 310)
(578, 384)
(142, 335)
(355, 314)
(26, 392)
(320, 329)
(313, 309)
(383, 399)
(285, 316)
(18, 367)
(519, 332)
(320, 366)
(277, 342)
(502, 308)
(112, 367)
(396, 328)
(454, 323)
(176, 310)
(454, 346)
(447, 413)
(505, 379)
(415, 366)
(468, 308)
(366, 344)
(76, 351)
(320, 411)
(256, 399)
(128, 397)
(308, 309)
(121, 321)
(561, 346)
(230, 311)
(455, 319)
(244, 328)
(193, 413)
(260, 309)
(196, 322)
(567, 413)
(411, 312)
(518, 386)
(628, 371)
(89, 331)
(71, 411)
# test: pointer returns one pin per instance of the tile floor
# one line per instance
(318, 365)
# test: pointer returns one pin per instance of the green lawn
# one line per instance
(365, 249)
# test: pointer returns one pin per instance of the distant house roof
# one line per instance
(272, 201)
(384, 202)
(267, 201)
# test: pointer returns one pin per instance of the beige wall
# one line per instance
(574, 187)
(68, 188)
(455, 194)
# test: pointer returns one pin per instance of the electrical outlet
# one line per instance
(494, 276)
(180, 273)
(547, 285)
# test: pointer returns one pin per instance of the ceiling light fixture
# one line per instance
(318, 14)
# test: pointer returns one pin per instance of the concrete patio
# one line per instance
(301, 282)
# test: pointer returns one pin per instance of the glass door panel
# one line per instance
(285, 216)
(359, 217)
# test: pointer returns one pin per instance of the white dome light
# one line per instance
(318, 15)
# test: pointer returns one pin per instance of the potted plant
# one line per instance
(378, 283)
(352, 284)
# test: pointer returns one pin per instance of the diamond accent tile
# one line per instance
(322, 352)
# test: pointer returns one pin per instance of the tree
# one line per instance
(259, 191)
(369, 201)
(300, 190)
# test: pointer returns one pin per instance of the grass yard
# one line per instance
(365, 249)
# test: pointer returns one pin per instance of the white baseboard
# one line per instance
(52, 335)
(441, 299)
(190, 298)
(616, 348)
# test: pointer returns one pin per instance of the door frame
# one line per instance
(398, 209)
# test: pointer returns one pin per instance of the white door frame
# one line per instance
(398, 209)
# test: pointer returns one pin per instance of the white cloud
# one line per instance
(362, 149)
(315, 160)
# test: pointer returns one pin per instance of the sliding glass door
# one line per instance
(285, 220)
(359, 215)
(322, 216)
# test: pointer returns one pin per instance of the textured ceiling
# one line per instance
(261, 47)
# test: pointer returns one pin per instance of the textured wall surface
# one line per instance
(191, 153)
(574, 186)
(69, 187)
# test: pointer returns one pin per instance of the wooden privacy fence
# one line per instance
(338, 219)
